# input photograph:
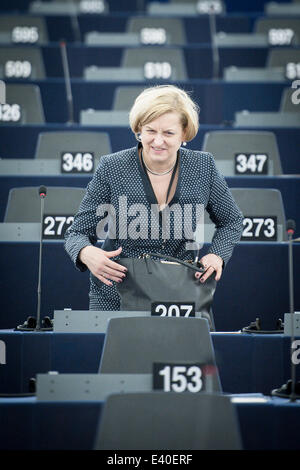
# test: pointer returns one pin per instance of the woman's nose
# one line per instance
(158, 139)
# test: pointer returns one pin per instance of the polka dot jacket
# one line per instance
(119, 207)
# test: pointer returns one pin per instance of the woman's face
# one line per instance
(162, 137)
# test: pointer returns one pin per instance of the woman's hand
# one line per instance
(101, 266)
(211, 263)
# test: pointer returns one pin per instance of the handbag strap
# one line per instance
(176, 260)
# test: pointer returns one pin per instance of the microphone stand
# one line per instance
(32, 324)
(67, 82)
(38, 313)
(215, 50)
(283, 391)
(290, 232)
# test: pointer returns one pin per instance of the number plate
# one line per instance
(173, 309)
(260, 229)
(179, 378)
(77, 162)
(2, 92)
(161, 70)
(25, 34)
(280, 36)
(55, 226)
(292, 70)
(251, 164)
(153, 36)
(17, 69)
(10, 113)
(209, 6)
(91, 6)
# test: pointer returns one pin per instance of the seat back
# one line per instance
(23, 29)
(264, 214)
(290, 101)
(262, 203)
(166, 420)
(53, 144)
(24, 203)
(279, 31)
(133, 345)
(125, 96)
(157, 31)
(23, 105)
(21, 62)
(157, 63)
(226, 146)
(282, 57)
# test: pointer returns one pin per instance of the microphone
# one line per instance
(290, 227)
(32, 324)
(42, 191)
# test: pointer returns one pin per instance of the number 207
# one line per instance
(174, 310)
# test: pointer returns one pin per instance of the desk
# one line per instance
(227, 97)
(248, 363)
(254, 284)
(31, 425)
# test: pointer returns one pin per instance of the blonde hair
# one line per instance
(155, 101)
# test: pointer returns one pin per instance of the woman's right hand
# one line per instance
(101, 266)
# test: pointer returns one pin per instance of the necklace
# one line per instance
(154, 172)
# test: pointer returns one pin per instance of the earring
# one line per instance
(184, 144)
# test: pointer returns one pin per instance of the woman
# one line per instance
(157, 173)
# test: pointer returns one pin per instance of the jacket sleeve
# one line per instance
(225, 214)
(83, 231)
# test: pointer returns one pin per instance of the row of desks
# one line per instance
(21, 141)
(218, 100)
(249, 366)
(247, 363)
(255, 283)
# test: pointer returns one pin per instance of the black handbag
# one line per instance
(168, 280)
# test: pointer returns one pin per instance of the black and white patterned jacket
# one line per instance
(121, 187)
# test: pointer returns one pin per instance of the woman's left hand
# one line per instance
(211, 263)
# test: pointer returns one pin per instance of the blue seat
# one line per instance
(160, 420)
(232, 151)
(23, 105)
(157, 31)
(23, 29)
(22, 63)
